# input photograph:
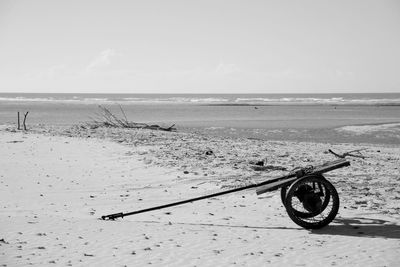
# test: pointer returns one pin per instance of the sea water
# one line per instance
(301, 117)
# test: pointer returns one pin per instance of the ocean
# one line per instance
(338, 118)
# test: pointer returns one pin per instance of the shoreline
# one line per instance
(374, 133)
(305, 123)
(56, 183)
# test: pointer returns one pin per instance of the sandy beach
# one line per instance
(56, 182)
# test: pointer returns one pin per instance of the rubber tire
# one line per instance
(297, 217)
(283, 194)
(304, 214)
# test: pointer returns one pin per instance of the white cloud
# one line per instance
(101, 61)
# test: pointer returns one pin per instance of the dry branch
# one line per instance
(19, 124)
(25, 115)
(105, 118)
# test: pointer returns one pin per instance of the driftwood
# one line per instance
(268, 168)
(105, 118)
(25, 115)
(354, 153)
(19, 125)
(24, 121)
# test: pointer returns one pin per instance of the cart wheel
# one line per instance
(283, 194)
(312, 202)
(309, 213)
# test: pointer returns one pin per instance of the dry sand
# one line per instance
(55, 184)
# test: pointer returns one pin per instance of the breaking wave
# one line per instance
(208, 99)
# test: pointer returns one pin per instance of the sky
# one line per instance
(169, 46)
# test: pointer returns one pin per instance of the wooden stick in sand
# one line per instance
(19, 125)
(25, 115)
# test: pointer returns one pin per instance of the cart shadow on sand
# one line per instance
(224, 225)
(361, 227)
(358, 226)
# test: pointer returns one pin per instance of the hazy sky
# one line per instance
(199, 46)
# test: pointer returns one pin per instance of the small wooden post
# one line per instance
(19, 125)
(25, 114)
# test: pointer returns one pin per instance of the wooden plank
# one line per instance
(330, 166)
(273, 186)
(319, 169)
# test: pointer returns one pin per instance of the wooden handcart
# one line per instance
(311, 201)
